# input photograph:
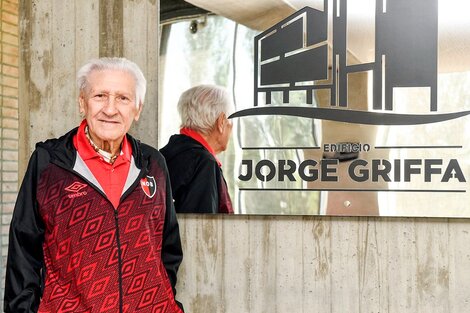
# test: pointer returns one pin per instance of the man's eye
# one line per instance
(124, 99)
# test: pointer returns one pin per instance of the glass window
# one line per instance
(214, 50)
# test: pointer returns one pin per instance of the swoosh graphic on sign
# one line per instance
(351, 116)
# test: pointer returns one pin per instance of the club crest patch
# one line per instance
(149, 186)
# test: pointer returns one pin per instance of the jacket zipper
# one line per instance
(118, 243)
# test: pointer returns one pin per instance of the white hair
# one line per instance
(200, 106)
(121, 64)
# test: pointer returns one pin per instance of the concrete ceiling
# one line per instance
(255, 14)
(454, 24)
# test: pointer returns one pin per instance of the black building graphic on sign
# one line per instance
(295, 54)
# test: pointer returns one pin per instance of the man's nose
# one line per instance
(110, 106)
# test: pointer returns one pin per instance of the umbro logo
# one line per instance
(75, 188)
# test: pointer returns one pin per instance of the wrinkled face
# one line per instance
(108, 104)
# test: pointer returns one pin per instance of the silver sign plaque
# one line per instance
(374, 97)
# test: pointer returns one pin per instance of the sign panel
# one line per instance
(384, 86)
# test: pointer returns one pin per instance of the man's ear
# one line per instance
(81, 104)
(221, 122)
(139, 110)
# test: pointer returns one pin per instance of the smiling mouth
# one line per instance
(109, 122)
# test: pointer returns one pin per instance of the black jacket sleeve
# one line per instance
(200, 194)
(172, 253)
(25, 263)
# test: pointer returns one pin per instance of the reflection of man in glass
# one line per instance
(94, 228)
(196, 176)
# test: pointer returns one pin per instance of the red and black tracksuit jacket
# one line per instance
(70, 250)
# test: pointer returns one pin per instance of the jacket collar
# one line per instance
(63, 152)
(198, 137)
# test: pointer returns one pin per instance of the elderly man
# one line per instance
(196, 176)
(94, 228)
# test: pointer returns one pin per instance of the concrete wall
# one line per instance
(57, 37)
(242, 263)
(324, 264)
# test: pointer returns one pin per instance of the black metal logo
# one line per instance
(297, 54)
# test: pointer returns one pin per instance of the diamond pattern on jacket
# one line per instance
(143, 240)
(53, 192)
(75, 261)
(151, 256)
(134, 223)
(81, 252)
(110, 302)
(126, 207)
(63, 249)
(148, 297)
(92, 226)
(105, 241)
(60, 291)
(99, 287)
(66, 204)
(160, 308)
(128, 268)
(80, 213)
(86, 273)
(69, 305)
(138, 283)
(114, 255)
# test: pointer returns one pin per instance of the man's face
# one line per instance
(108, 104)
